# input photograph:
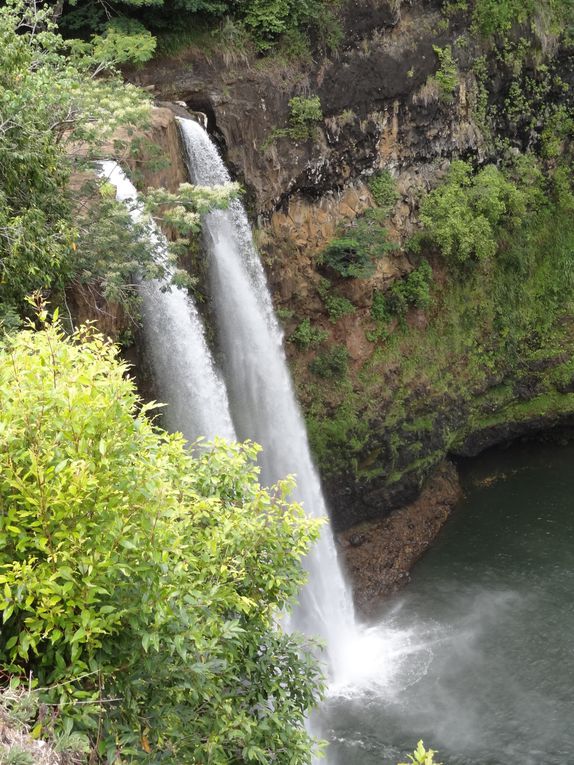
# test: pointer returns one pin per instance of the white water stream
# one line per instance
(262, 399)
(183, 367)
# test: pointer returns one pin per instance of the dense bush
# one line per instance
(383, 188)
(347, 258)
(331, 363)
(51, 104)
(265, 20)
(304, 114)
(447, 76)
(497, 17)
(305, 335)
(141, 583)
(338, 306)
(57, 230)
(462, 216)
(379, 308)
(413, 291)
(355, 253)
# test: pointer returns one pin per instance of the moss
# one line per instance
(552, 403)
(420, 424)
(418, 468)
(334, 438)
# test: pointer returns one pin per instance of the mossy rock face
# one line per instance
(494, 361)
(395, 462)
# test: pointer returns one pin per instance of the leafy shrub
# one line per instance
(305, 335)
(493, 17)
(304, 115)
(413, 291)
(447, 75)
(559, 127)
(354, 255)
(269, 19)
(463, 215)
(421, 756)
(347, 258)
(266, 21)
(383, 188)
(379, 308)
(50, 104)
(497, 17)
(135, 570)
(124, 41)
(16, 756)
(338, 306)
(331, 363)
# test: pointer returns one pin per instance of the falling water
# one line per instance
(361, 661)
(182, 365)
(263, 402)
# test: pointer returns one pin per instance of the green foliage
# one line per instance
(338, 306)
(266, 21)
(508, 319)
(283, 313)
(347, 258)
(267, 18)
(462, 217)
(124, 40)
(354, 255)
(491, 18)
(141, 582)
(331, 363)
(383, 188)
(379, 308)
(558, 129)
(16, 756)
(422, 756)
(413, 291)
(304, 115)
(447, 76)
(109, 249)
(55, 116)
(306, 336)
(333, 437)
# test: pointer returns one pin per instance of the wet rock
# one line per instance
(389, 548)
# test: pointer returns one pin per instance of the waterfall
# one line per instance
(258, 403)
(174, 338)
(262, 399)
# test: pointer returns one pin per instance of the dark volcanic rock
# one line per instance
(380, 564)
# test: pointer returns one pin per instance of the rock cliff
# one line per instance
(381, 431)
